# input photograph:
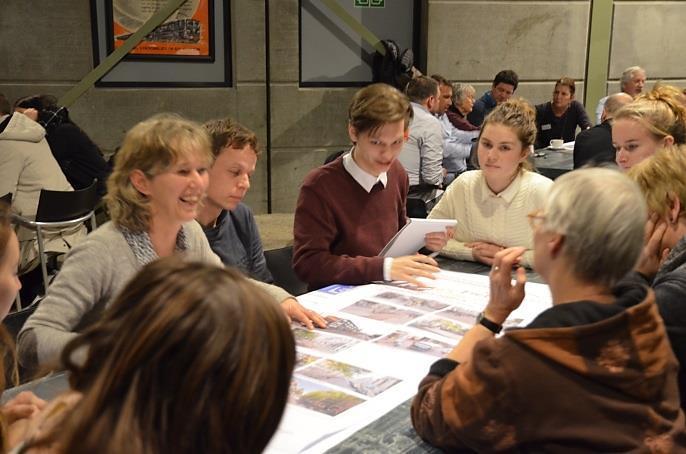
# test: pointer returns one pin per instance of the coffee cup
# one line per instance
(556, 143)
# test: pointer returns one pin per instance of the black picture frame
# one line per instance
(166, 71)
(160, 57)
(418, 12)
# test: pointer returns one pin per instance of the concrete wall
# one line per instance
(467, 41)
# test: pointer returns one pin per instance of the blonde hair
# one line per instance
(518, 115)
(662, 176)
(602, 215)
(378, 104)
(152, 146)
(660, 111)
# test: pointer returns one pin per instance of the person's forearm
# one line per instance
(463, 351)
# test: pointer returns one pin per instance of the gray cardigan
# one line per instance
(94, 272)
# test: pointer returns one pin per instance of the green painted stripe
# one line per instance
(112, 59)
(355, 25)
(598, 54)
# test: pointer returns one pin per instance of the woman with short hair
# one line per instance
(593, 373)
(662, 179)
(559, 118)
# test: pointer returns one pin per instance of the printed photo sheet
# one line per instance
(380, 342)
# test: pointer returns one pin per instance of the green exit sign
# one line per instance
(370, 3)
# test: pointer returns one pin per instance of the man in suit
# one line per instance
(594, 146)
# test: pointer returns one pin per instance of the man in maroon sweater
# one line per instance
(350, 208)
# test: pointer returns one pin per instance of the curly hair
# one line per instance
(661, 111)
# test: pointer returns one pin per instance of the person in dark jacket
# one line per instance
(594, 146)
(662, 178)
(593, 373)
(558, 119)
(78, 156)
(504, 85)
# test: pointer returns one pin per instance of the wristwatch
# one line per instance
(490, 325)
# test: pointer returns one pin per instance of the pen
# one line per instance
(433, 255)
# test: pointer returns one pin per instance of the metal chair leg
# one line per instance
(43, 259)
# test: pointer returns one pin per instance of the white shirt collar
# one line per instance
(364, 179)
(508, 194)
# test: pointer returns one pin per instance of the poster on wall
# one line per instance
(186, 35)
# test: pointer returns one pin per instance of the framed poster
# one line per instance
(172, 57)
(186, 35)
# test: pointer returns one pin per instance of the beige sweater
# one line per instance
(493, 218)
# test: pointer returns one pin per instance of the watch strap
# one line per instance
(489, 324)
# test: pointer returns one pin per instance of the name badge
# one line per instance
(546, 127)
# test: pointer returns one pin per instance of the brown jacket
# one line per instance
(582, 377)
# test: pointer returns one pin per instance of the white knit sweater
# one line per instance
(493, 218)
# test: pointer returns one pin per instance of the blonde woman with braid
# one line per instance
(491, 204)
(654, 120)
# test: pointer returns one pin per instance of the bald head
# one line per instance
(614, 103)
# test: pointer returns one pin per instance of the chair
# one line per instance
(59, 210)
(416, 208)
(13, 323)
(280, 264)
(6, 199)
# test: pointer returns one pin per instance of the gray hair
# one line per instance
(461, 91)
(628, 74)
(602, 215)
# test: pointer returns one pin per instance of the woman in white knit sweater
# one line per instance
(491, 204)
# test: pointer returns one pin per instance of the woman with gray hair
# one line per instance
(593, 373)
(463, 103)
(459, 133)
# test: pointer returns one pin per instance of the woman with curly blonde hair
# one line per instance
(491, 204)
(653, 120)
(159, 181)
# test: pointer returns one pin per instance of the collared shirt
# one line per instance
(507, 195)
(485, 216)
(422, 153)
(367, 181)
(457, 146)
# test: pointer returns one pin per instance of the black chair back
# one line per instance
(280, 264)
(15, 320)
(6, 199)
(59, 206)
(416, 208)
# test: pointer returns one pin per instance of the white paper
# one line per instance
(410, 238)
(382, 341)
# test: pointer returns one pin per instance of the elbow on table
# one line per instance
(27, 349)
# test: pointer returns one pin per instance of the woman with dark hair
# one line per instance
(558, 119)
(189, 358)
(78, 156)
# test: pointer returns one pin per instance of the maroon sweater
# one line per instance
(339, 228)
